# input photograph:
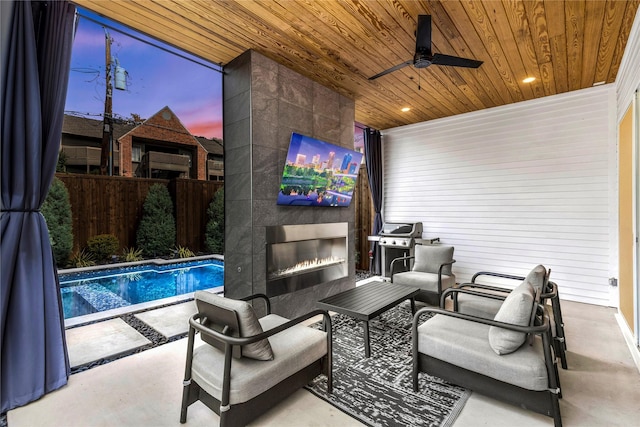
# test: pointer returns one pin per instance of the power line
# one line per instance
(206, 64)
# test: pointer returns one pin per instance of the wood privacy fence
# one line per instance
(364, 219)
(113, 205)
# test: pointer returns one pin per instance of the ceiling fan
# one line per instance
(423, 56)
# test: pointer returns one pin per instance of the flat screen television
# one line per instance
(318, 173)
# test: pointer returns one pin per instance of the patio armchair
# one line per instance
(247, 365)
(431, 271)
(492, 356)
(486, 300)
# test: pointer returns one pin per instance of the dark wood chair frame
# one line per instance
(429, 297)
(242, 413)
(544, 402)
(548, 292)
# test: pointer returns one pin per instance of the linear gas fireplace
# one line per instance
(301, 256)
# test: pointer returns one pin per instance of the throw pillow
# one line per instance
(248, 324)
(537, 276)
(430, 257)
(516, 309)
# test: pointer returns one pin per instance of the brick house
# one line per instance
(159, 147)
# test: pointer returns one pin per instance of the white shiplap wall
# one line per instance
(628, 78)
(514, 186)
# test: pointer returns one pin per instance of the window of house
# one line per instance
(136, 153)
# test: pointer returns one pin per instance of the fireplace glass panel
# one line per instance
(301, 256)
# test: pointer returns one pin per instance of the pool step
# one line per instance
(100, 297)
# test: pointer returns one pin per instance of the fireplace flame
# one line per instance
(311, 264)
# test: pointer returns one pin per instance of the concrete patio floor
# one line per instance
(600, 388)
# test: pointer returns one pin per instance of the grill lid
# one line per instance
(402, 229)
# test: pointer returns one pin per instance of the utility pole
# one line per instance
(106, 154)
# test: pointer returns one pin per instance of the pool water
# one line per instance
(101, 290)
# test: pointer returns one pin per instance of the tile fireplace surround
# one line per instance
(264, 102)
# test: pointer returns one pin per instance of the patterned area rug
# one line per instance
(377, 391)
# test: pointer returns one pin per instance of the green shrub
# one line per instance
(56, 210)
(157, 230)
(132, 254)
(82, 259)
(61, 166)
(103, 246)
(214, 235)
(182, 252)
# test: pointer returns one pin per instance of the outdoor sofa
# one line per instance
(509, 357)
(247, 365)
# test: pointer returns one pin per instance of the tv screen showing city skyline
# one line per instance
(318, 173)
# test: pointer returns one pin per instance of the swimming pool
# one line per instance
(88, 292)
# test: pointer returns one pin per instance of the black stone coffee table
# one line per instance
(369, 301)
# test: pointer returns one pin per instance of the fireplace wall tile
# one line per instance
(237, 108)
(268, 101)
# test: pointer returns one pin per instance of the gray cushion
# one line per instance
(424, 281)
(536, 276)
(293, 349)
(463, 343)
(479, 306)
(430, 257)
(248, 323)
(516, 309)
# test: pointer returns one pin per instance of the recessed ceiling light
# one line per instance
(528, 80)
(405, 109)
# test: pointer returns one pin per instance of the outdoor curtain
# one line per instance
(34, 86)
(373, 160)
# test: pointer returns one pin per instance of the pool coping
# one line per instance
(107, 314)
(156, 261)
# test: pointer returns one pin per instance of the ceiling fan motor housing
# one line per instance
(422, 60)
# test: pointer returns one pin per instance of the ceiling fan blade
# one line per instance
(455, 61)
(423, 34)
(391, 70)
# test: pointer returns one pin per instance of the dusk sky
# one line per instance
(156, 78)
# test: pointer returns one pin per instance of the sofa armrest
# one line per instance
(393, 264)
(259, 296)
(193, 322)
(440, 274)
(494, 274)
(486, 287)
(550, 291)
(538, 329)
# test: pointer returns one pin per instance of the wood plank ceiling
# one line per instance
(566, 45)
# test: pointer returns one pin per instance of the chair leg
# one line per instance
(555, 368)
(415, 374)
(557, 315)
(185, 403)
(558, 346)
(555, 410)
(559, 341)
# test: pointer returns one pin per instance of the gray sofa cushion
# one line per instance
(516, 309)
(465, 344)
(479, 306)
(424, 281)
(430, 257)
(293, 349)
(248, 323)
